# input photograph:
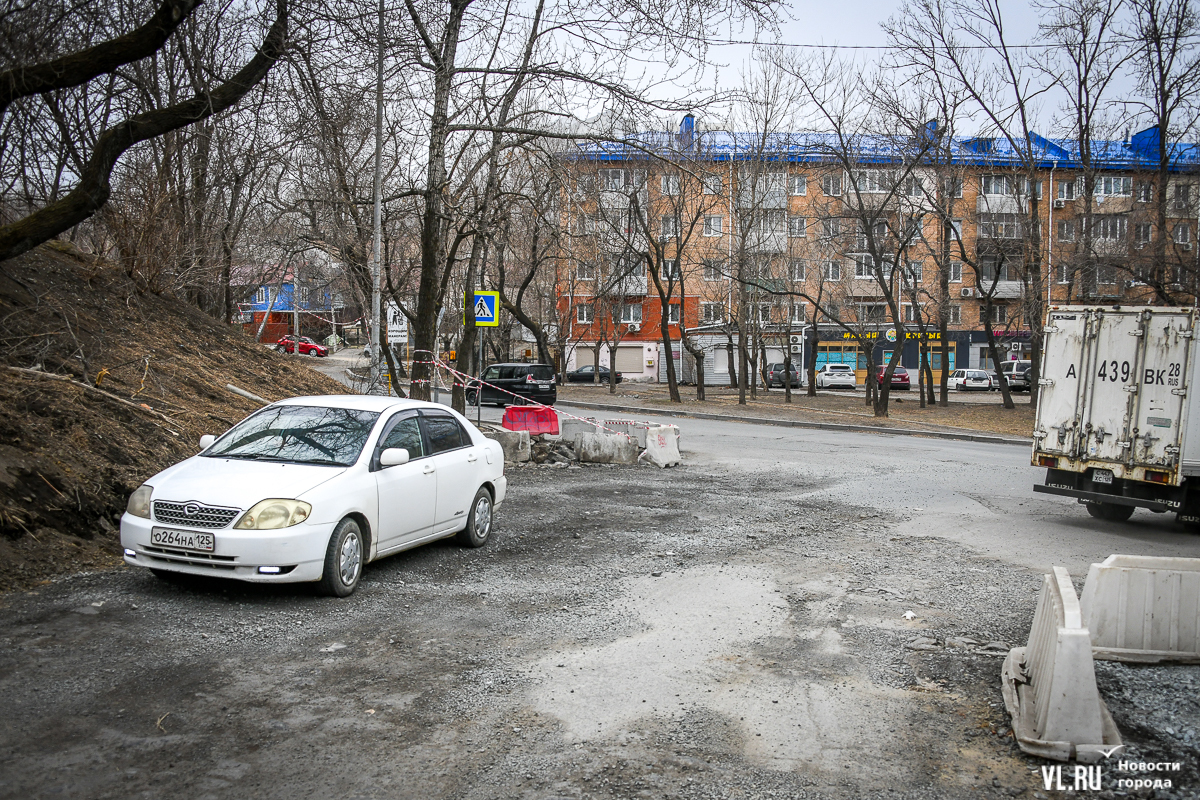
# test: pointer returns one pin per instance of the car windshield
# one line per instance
(540, 372)
(298, 435)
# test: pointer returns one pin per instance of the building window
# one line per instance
(864, 265)
(670, 184)
(1066, 190)
(759, 312)
(797, 270)
(1183, 193)
(999, 314)
(712, 312)
(997, 185)
(585, 271)
(1066, 230)
(1142, 232)
(797, 185)
(799, 312)
(1110, 227)
(912, 275)
(673, 313)
(670, 269)
(584, 313)
(831, 185)
(872, 312)
(830, 228)
(712, 225)
(262, 295)
(1106, 274)
(1183, 233)
(797, 227)
(912, 313)
(955, 272)
(955, 315)
(833, 270)
(1145, 192)
(1000, 226)
(880, 230)
(992, 270)
(713, 270)
(631, 313)
(874, 181)
(711, 183)
(1113, 185)
(612, 180)
(669, 227)
(1063, 272)
(954, 187)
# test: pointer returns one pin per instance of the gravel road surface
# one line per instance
(790, 614)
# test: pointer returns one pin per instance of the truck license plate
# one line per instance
(183, 540)
(1102, 476)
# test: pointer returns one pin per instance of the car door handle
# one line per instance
(472, 457)
(429, 468)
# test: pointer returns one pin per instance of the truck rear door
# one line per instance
(1157, 410)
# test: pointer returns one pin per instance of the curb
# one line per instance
(790, 423)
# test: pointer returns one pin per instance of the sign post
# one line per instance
(486, 307)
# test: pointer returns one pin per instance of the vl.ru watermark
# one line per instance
(1132, 775)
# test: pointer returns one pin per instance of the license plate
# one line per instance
(183, 540)
(1102, 476)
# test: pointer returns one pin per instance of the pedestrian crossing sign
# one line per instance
(486, 305)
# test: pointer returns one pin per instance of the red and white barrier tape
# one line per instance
(527, 400)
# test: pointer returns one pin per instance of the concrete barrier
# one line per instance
(662, 445)
(632, 427)
(1049, 686)
(570, 428)
(515, 443)
(1143, 609)
(606, 448)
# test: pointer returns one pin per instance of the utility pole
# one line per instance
(377, 337)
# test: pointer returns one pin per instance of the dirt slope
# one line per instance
(69, 455)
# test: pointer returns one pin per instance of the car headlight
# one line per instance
(139, 501)
(272, 514)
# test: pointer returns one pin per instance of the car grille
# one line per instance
(193, 515)
(188, 557)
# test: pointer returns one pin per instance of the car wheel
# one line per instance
(279, 348)
(343, 560)
(1110, 511)
(313, 353)
(471, 398)
(479, 520)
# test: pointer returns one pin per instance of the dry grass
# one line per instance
(980, 413)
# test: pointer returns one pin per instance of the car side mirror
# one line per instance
(206, 441)
(393, 457)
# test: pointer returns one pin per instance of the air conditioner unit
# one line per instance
(967, 292)
(797, 348)
(1060, 203)
(1186, 245)
(633, 327)
(795, 338)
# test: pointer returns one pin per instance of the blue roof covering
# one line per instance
(1139, 152)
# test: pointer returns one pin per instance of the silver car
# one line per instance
(966, 380)
(836, 376)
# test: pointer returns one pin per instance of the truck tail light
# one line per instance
(1047, 461)
(1158, 477)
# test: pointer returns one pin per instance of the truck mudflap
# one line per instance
(1120, 492)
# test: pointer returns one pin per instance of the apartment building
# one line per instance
(839, 243)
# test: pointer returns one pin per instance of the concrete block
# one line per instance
(662, 445)
(606, 448)
(515, 443)
(1049, 686)
(1143, 609)
(570, 428)
(632, 427)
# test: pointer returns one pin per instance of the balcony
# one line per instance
(1004, 290)
(628, 286)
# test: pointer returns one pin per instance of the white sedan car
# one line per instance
(312, 488)
(832, 376)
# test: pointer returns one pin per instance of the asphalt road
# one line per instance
(741, 626)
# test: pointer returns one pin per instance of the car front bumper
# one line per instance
(298, 551)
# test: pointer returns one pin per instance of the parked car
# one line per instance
(900, 378)
(586, 373)
(287, 344)
(313, 488)
(512, 384)
(966, 380)
(1017, 374)
(775, 373)
(991, 373)
(833, 376)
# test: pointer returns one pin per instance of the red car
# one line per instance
(287, 344)
(899, 378)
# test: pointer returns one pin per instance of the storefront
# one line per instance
(1011, 346)
(837, 346)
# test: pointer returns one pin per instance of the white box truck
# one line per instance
(1117, 425)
